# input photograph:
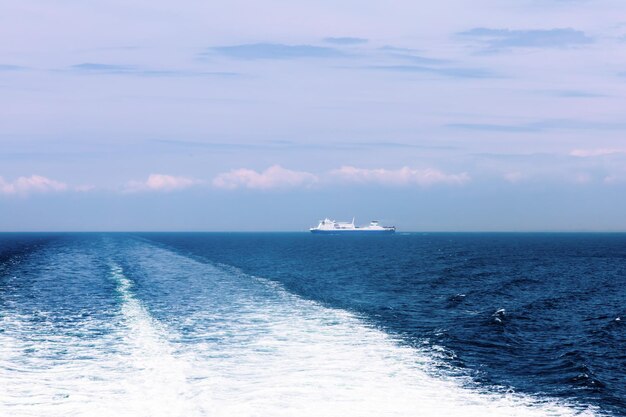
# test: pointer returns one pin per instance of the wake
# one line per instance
(231, 345)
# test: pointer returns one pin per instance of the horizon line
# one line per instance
(308, 232)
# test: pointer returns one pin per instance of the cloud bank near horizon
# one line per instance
(29, 185)
(584, 166)
(279, 177)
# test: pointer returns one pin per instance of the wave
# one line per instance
(193, 339)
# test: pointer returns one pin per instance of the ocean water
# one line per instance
(292, 324)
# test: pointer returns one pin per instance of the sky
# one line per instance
(270, 115)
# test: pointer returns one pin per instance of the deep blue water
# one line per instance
(289, 320)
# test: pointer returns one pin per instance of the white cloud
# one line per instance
(161, 182)
(585, 153)
(273, 177)
(32, 184)
(398, 177)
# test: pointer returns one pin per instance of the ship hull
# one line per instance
(353, 232)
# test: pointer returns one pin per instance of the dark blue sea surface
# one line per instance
(254, 323)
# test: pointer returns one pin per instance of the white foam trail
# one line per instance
(267, 352)
(154, 376)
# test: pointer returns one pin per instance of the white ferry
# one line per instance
(331, 226)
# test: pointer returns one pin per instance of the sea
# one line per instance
(296, 324)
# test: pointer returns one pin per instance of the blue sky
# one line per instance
(270, 115)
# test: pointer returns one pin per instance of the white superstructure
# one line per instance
(332, 226)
